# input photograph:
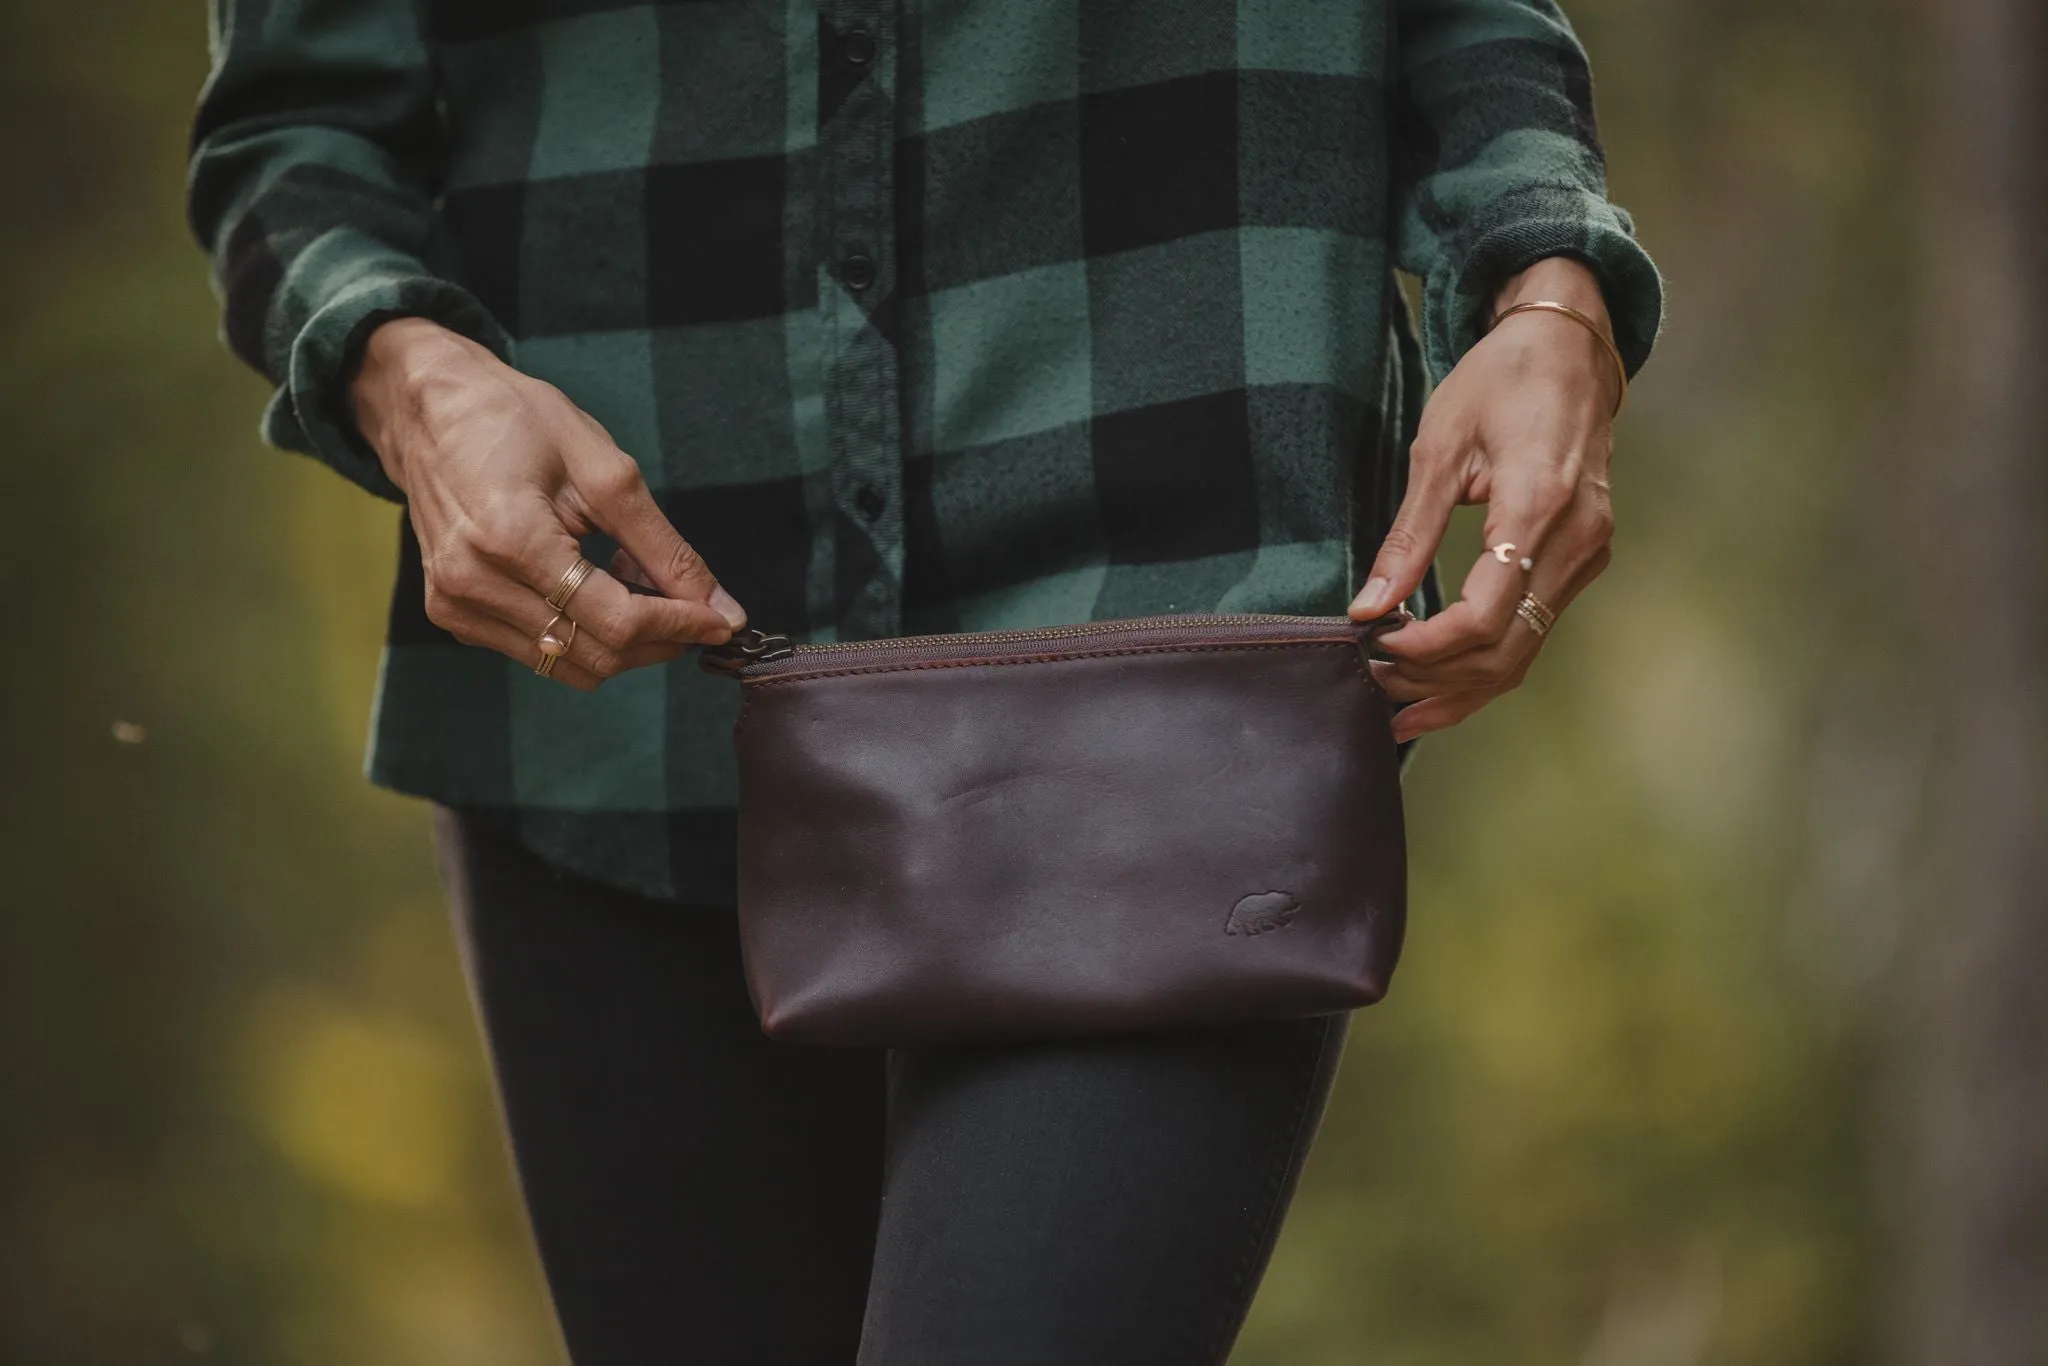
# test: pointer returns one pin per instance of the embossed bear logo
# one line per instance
(1260, 912)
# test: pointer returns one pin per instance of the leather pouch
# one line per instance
(1124, 825)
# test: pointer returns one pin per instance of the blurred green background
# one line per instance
(1625, 1107)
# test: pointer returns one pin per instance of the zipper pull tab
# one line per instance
(757, 647)
(1393, 619)
(746, 647)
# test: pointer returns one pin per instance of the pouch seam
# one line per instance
(740, 718)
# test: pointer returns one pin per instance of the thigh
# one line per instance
(698, 1194)
(1110, 1201)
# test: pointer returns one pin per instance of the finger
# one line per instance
(608, 611)
(1557, 596)
(1445, 693)
(1399, 687)
(531, 551)
(608, 637)
(627, 570)
(1500, 665)
(621, 503)
(1533, 520)
(1437, 713)
(604, 660)
(1418, 529)
(493, 633)
(517, 544)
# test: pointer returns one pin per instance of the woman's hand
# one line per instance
(502, 473)
(1523, 424)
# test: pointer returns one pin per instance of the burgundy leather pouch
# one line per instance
(1125, 825)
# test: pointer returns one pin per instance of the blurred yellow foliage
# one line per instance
(360, 1103)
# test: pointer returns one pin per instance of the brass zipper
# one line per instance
(760, 647)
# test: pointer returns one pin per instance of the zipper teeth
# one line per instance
(1058, 632)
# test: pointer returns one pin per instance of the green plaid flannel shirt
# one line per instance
(919, 315)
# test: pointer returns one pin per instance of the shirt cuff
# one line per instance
(1515, 233)
(310, 411)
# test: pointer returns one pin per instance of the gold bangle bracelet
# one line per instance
(1599, 333)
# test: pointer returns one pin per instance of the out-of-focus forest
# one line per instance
(1714, 1042)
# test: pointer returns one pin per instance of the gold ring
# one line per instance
(572, 579)
(551, 646)
(1536, 613)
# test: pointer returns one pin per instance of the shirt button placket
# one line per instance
(857, 145)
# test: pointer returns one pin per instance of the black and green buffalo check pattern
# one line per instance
(920, 315)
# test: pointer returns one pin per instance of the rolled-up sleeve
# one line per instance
(1499, 165)
(316, 153)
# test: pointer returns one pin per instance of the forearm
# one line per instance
(315, 147)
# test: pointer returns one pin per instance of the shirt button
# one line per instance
(859, 47)
(871, 502)
(857, 271)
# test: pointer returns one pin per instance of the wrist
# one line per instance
(1561, 280)
(1569, 292)
(401, 362)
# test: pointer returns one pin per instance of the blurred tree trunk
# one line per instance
(1974, 1040)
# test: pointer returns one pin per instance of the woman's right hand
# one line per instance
(502, 474)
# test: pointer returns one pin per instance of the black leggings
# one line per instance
(703, 1195)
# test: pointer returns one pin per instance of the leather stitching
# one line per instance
(854, 670)
(746, 700)
(1365, 667)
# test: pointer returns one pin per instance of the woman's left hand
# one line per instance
(1524, 424)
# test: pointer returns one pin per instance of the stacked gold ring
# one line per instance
(551, 646)
(572, 579)
(1536, 612)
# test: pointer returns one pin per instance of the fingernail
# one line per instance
(1368, 599)
(728, 607)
